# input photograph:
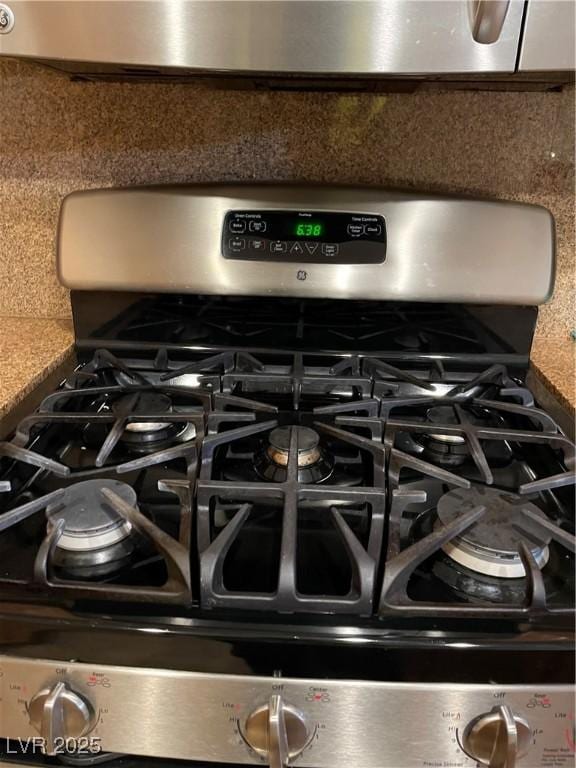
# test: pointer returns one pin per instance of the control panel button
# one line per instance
(257, 226)
(6, 19)
(237, 244)
(297, 249)
(497, 738)
(373, 229)
(59, 713)
(257, 244)
(278, 246)
(238, 226)
(355, 230)
(330, 249)
(311, 248)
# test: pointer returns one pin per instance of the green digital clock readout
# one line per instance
(308, 229)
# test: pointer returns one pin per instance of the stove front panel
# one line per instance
(191, 716)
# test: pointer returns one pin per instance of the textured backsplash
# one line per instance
(57, 136)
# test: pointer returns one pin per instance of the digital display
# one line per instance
(308, 229)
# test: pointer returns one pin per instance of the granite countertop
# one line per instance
(30, 350)
(554, 363)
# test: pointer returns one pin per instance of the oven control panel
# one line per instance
(306, 237)
(61, 708)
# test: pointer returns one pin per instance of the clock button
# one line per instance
(373, 229)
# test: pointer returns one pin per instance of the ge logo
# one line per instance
(6, 19)
(302, 274)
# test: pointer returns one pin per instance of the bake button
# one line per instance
(257, 226)
(237, 244)
(278, 246)
(257, 244)
(238, 226)
(373, 229)
(330, 249)
(355, 229)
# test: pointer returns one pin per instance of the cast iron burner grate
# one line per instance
(137, 419)
(68, 528)
(418, 490)
(286, 516)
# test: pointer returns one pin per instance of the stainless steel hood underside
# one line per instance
(294, 38)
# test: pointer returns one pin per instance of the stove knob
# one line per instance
(277, 731)
(497, 738)
(60, 713)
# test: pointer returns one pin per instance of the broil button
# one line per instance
(237, 244)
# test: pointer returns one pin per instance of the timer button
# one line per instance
(355, 230)
(257, 226)
(330, 249)
(237, 226)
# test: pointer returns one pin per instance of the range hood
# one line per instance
(294, 40)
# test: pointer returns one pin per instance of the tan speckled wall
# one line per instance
(57, 136)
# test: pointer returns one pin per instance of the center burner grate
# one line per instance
(307, 526)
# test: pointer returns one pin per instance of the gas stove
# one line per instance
(277, 528)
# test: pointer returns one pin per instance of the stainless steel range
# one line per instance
(296, 505)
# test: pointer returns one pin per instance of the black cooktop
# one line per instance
(229, 484)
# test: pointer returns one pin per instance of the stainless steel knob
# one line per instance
(497, 738)
(60, 713)
(277, 731)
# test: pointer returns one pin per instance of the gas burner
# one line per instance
(491, 545)
(445, 450)
(314, 464)
(140, 434)
(95, 540)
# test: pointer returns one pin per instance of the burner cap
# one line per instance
(444, 415)
(409, 340)
(315, 465)
(90, 522)
(308, 445)
(147, 402)
(490, 546)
